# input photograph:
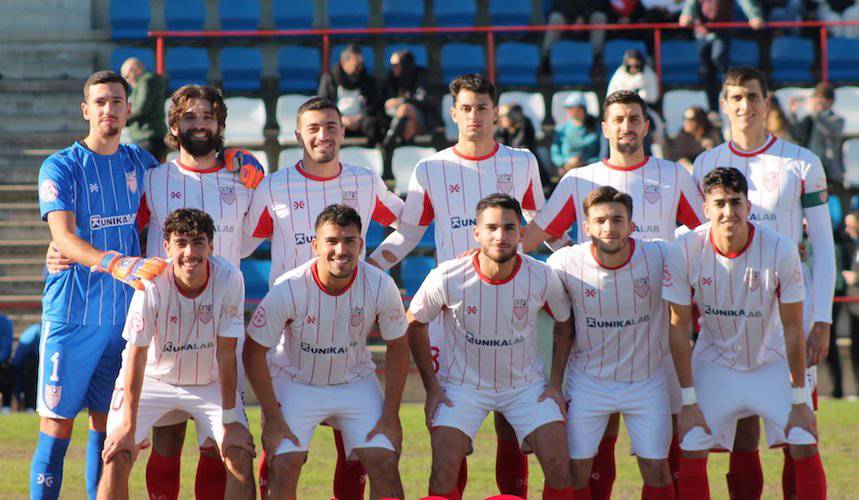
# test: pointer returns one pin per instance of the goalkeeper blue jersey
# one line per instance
(104, 194)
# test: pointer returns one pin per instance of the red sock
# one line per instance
(263, 474)
(810, 478)
(788, 476)
(582, 493)
(511, 468)
(162, 476)
(550, 493)
(349, 477)
(745, 476)
(674, 462)
(693, 479)
(462, 480)
(211, 480)
(603, 470)
(450, 495)
(657, 492)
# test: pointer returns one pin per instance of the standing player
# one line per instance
(664, 195)
(182, 331)
(321, 313)
(89, 193)
(614, 283)
(786, 185)
(446, 187)
(489, 302)
(745, 277)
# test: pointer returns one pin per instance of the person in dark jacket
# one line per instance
(354, 90)
(515, 129)
(146, 125)
(404, 94)
(851, 279)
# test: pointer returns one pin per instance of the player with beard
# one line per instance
(489, 302)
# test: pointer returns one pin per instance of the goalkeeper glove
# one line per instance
(242, 161)
(130, 270)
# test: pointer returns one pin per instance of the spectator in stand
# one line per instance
(696, 136)
(6, 338)
(714, 45)
(576, 142)
(851, 277)
(633, 74)
(404, 94)
(821, 131)
(839, 10)
(354, 90)
(777, 121)
(146, 125)
(515, 129)
(574, 12)
(25, 363)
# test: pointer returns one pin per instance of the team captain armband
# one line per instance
(814, 199)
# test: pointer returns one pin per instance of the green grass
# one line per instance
(838, 423)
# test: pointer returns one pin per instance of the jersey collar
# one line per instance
(748, 154)
(315, 272)
(734, 255)
(629, 168)
(299, 164)
(487, 279)
(614, 268)
(477, 158)
(200, 170)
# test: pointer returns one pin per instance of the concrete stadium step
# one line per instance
(21, 320)
(44, 61)
(21, 285)
(21, 266)
(62, 121)
(31, 248)
(15, 100)
(24, 229)
(16, 193)
(42, 86)
(19, 211)
(52, 141)
(49, 18)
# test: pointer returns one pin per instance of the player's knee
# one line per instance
(580, 472)
(57, 427)
(239, 460)
(654, 472)
(798, 452)
(168, 440)
(286, 464)
(556, 469)
(119, 466)
(695, 453)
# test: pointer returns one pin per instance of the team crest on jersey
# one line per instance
(666, 276)
(356, 317)
(204, 312)
(228, 194)
(520, 308)
(48, 191)
(53, 393)
(350, 198)
(131, 181)
(135, 322)
(505, 183)
(752, 279)
(259, 319)
(770, 181)
(641, 287)
(651, 193)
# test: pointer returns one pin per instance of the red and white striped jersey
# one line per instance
(663, 194)
(621, 321)
(286, 204)
(181, 331)
(216, 191)
(321, 338)
(447, 185)
(490, 326)
(737, 294)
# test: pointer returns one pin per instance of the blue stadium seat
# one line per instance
(680, 62)
(375, 235)
(428, 239)
(348, 13)
(791, 59)
(419, 51)
(129, 19)
(293, 14)
(185, 15)
(744, 52)
(186, 65)
(460, 58)
(614, 49)
(241, 68)
(843, 59)
(120, 54)
(366, 51)
(455, 12)
(413, 270)
(399, 14)
(571, 62)
(299, 69)
(239, 14)
(255, 273)
(509, 13)
(517, 64)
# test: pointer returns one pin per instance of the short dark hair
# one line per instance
(181, 99)
(607, 194)
(726, 178)
(105, 76)
(739, 75)
(340, 215)
(824, 90)
(189, 221)
(317, 103)
(474, 82)
(499, 200)
(624, 97)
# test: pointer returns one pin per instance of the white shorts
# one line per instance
(643, 404)
(353, 408)
(726, 395)
(157, 399)
(675, 399)
(519, 407)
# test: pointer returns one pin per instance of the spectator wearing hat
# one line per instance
(575, 142)
(633, 74)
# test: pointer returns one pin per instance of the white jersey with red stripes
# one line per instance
(447, 185)
(621, 321)
(182, 331)
(322, 337)
(216, 191)
(737, 294)
(663, 194)
(286, 204)
(490, 326)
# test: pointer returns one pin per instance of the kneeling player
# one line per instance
(745, 278)
(182, 331)
(614, 283)
(324, 371)
(489, 302)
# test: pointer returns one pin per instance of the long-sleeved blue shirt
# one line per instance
(6, 337)
(28, 344)
(574, 140)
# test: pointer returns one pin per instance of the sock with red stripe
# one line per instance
(550, 493)
(674, 461)
(450, 495)
(349, 477)
(263, 474)
(211, 480)
(511, 468)
(162, 476)
(462, 480)
(745, 476)
(810, 478)
(603, 470)
(657, 492)
(693, 479)
(582, 493)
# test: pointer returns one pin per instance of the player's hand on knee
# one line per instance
(690, 417)
(242, 162)
(801, 416)
(817, 345)
(120, 440)
(275, 430)
(434, 399)
(130, 270)
(557, 395)
(55, 261)
(389, 427)
(237, 435)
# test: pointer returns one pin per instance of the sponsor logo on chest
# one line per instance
(102, 222)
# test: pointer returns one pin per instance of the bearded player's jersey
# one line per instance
(737, 294)
(286, 204)
(323, 336)
(621, 321)
(490, 326)
(663, 194)
(182, 331)
(216, 191)
(447, 185)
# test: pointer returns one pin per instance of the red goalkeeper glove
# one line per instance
(242, 161)
(130, 270)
